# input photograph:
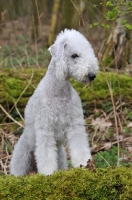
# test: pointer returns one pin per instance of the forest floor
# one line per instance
(109, 123)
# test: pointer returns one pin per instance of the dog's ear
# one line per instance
(57, 52)
(57, 49)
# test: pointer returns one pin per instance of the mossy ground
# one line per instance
(75, 184)
(98, 90)
(14, 81)
(16, 87)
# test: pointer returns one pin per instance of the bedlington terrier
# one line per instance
(54, 115)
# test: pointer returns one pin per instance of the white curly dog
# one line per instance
(54, 115)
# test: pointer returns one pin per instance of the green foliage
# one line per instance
(114, 10)
(85, 110)
(106, 158)
(107, 106)
(75, 184)
(94, 25)
(127, 130)
(112, 15)
(127, 25)
(109, 158)
(109, 3)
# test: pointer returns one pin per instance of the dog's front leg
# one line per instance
(78, 145)
(46, 152)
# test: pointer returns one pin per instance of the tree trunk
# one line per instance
(56, 6)
(2, 14)
(35, 21)
(116, 50)
(70, 16)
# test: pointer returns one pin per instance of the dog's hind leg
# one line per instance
(22, 158)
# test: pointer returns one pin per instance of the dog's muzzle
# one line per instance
(91, 76)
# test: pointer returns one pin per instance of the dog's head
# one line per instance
(74, 57)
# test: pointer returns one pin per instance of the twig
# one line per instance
(10, 117)
(15, 102)
(104, 159)
(112, 143)
(6, 157)
(117, 133)
(3, 166)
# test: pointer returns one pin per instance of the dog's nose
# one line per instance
(91, 76)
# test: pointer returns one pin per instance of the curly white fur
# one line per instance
(53, 115)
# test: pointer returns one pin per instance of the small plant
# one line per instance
(127, 130)
(106, 158)
(109, 158)
(107, 106)
(85, 110)
(69, 164)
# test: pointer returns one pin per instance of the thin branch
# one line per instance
(104, 159)
(112, 143)
(15, 102)
(10, 117)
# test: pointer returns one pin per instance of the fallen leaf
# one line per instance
(101, 123)
(129, 125)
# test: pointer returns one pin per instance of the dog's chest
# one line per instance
(62, 119)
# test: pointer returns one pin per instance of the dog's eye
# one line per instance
(75, 56)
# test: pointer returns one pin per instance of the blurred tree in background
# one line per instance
(117, 45)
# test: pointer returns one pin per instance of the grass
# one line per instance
(23, 54)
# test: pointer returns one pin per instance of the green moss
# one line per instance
(13, 88)
(98, 90)
(76, 184)
(14, 81)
